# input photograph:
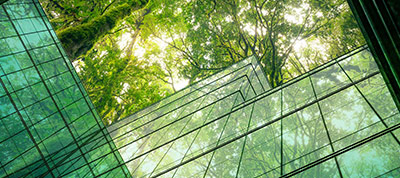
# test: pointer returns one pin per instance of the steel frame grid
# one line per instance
(252, 67)
(246, 77)
(299, 80)
(254, 64)
(236, 79)
(335, 61)
(377, 22)
(368, 139)
(73, 75)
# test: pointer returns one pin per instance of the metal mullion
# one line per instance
(260, 175)
(181, 118)
(263, 70)
(41, 141)
(326, 127)
(187, 151)
(246, 92)
(4, 170)
(250, 131)
(46, 117)
(23, 121)
(255, 71)
(33, 125)
(244, 142)
(76, 159)
(228, 74)
(23, 34)
(192, 85)
(15, 106)
(384, 14)
(220, 136)
(369, 104)
(22, 69)
(41, 77)
(248, 79)
(157, 142)
(100, 161)
(55, 153)
(237, 79)
(114, 150)
(223, 86)
(267, 123)
(35, 97)
(344, 150)
(315, 150)
(80, 89)
(326, 64)
(23, 108)
(300, 157)
(69, 154)
(178, 135)
(18, 52)
(30, 85)
(324, 146)
(196, 89)
(28, 149)
(373, 124)
(305, 75)
(80, 139)
(120, 165)
(381, 175)
(175, 120)
(20, 153)
(307, 154)
(250, 85)
(166, 142)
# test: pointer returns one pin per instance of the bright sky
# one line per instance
(296, 16)
(139, 52)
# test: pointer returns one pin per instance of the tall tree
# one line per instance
(77, 40)
(190, 40)
(219, 33)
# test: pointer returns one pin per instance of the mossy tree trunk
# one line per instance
(80, 39)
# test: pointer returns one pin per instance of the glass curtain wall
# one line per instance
(337, 120)
(184, 111)
(48, 125)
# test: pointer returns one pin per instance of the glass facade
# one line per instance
(338, 120)
(48, 125)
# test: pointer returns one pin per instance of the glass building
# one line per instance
(337, 120)
(48, 125)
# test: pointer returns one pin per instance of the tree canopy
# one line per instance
(148, 50)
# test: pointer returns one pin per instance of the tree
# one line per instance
(80, 39)
(219, 33)
(190, 40)
(119, 85)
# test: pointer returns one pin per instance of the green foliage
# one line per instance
(79, 39)
(190, 40)
(119, 86)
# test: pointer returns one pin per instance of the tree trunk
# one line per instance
(80, 39)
